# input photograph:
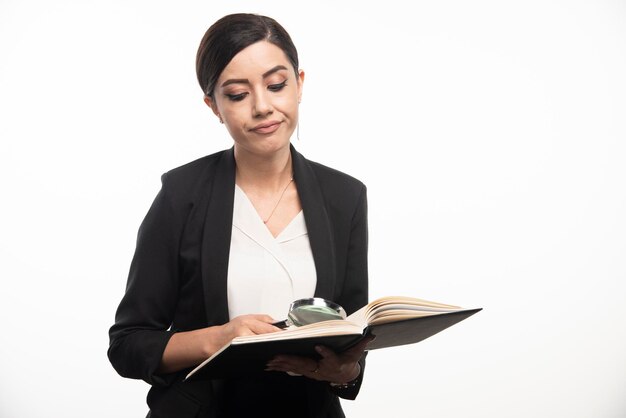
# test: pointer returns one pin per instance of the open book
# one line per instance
(393, 320)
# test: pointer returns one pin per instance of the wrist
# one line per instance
(210, 340)
(356, 372)
(351, 381)
(346, 385)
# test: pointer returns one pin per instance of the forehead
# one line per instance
(255, 60)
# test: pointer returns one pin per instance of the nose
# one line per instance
(261, 105)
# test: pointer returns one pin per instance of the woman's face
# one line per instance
(257, 97)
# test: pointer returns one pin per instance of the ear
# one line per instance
(211, 103)
(300, 84)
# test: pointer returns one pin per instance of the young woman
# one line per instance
(233, 238)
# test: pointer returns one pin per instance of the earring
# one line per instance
(221, 120)
(298, 125)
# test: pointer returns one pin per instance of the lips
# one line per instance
(266, 127)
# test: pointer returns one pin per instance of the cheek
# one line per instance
(233, 117)
(288, 104)
(236, 128)
(232, 122)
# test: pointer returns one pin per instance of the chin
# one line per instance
(265, 146)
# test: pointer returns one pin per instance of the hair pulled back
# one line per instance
(228, 36)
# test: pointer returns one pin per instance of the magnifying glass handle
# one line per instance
(281, 324)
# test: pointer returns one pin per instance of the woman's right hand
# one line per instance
(187, 349)
(246, 325)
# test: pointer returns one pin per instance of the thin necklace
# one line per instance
(279, 199)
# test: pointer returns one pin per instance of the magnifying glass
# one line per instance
(311, 310)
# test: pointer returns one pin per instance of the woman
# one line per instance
(232, 238)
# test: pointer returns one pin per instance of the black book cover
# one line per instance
(239, 359)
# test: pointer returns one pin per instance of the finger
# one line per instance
(327, 354)
(356, 352)
(300, 369)
(263, 318)
(260, 327)
(364, 342)
(300, 365)
(290, 360)
(349, 356)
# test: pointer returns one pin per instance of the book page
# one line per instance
(408, 301)
(396, 316)
(382, 310)
(359, 317)
(393, 307)
(324, 328)
(398, 308)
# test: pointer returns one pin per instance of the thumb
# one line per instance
(357, 350)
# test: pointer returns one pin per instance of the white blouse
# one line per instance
(266, 274)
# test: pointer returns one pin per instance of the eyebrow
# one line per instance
(246, 81)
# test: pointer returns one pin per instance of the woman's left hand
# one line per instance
(332, 367)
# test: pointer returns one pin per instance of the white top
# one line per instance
(266, 274)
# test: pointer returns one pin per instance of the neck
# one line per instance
(268, 173)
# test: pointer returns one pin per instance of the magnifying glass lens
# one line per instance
(309, 314)
(311, 310)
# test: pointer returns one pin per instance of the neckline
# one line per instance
(283, 234)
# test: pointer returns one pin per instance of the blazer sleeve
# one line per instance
(142, 321)
(354, 294)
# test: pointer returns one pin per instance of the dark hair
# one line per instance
(228, 36)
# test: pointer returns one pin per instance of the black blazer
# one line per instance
(177, 282)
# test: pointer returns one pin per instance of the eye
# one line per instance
(236, 97)
(277, 87)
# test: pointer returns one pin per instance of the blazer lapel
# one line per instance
(216, 237)
(318, 225)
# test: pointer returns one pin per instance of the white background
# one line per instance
(491, 136)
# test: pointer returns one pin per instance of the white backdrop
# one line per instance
(491, 136)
